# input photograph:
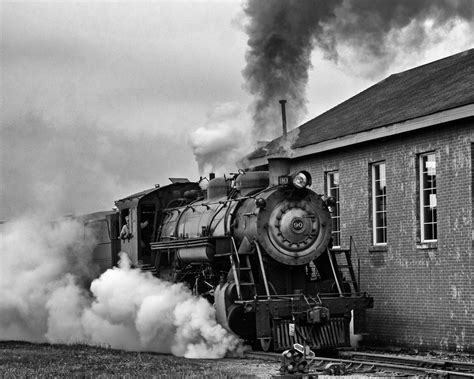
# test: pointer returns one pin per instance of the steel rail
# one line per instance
(358, 366)
(451, 367)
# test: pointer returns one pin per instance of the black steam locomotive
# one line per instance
(256, 245)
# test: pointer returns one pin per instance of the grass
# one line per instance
(20, 359)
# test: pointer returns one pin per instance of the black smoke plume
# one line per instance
(283, 33)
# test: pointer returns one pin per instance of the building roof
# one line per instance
(424, 90)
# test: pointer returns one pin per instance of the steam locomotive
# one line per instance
(257, 245)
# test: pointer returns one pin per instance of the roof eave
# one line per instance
(376, 133)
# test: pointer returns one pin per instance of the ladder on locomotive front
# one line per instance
(242, 271)
(344, 268)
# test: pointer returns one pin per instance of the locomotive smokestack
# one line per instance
(283, 116)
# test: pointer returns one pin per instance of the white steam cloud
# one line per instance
(41, 299)
(223, 140)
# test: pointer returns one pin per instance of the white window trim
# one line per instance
(421, 194)
(374, 226)
(328, 191)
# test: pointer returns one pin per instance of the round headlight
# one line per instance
(300, 180)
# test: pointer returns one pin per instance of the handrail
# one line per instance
(335, 274)
(235, 249)
(236, 277)
(262, 268)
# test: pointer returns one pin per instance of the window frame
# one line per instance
(335, 218)
(375, 204)
(422, 170)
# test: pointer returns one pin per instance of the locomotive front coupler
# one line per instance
(287, 307)
(317, 315)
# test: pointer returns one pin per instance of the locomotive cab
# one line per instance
(141, 215)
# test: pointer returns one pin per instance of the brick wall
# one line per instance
(424, 293)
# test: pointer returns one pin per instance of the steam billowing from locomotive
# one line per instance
(223, 139)
(283, 34)
(43, 297)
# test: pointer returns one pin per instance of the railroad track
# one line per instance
(377, 364)
(453, 369)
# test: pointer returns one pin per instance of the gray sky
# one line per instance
(103, 99)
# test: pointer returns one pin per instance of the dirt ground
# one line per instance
(21, 359)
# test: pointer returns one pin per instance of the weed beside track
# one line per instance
(22, 359)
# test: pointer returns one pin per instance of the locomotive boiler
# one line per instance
(257, 246)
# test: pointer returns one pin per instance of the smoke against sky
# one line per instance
(281, 39)
(103, 99)
(223, 140)
(284, 33)
(41, 299)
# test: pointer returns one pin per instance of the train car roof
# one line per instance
(96, 215)
(138, 196)
(87, 217)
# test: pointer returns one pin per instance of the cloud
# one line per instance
(98, 99)
(71, 166)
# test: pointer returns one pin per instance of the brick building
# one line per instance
(399, 158)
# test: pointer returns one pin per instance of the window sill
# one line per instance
(377, 248)
(426, 245)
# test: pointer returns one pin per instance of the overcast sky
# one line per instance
(103, 99)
